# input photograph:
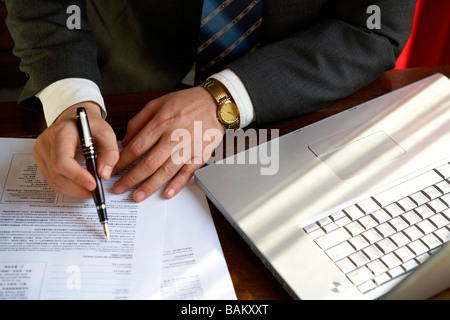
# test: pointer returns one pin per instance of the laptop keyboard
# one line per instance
(390, 234)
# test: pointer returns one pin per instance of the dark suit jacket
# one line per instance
(314, 51)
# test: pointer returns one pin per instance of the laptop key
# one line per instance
(368, 206)
(446, 199)
(417, 247)
(367, 286)
(368, 222)
(431, 241)
(406, 203)
(437, 205)
(338, 215)
(411, 217)
(413, 233)
(443, 234)
(372, 236)
(386, 245)
(409, 265)
(391, 260)
(426, 226)
(424, 211)
(359, 259)
(394, 210)
(373, 252)
(346, 265)
(439, 220)
(444, 170)
(423, 258)
(432, 192)
(419, 198)
(316, 233)
(404, 254)
(323, 222)
(340, 251)
(343, 221)
(444, 186)
(359, 242)
(381, 216)
(398, 223)
(397, 271)
(385, 229)
(360, 275)
(400, 239)
(446, 214)
(353, 212)
(312, 227)
(382, 278)
(355, 228)
(377, 267)
(333, 238)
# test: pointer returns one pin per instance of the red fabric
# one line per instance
(429, 44)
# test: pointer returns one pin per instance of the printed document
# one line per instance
(52, 246)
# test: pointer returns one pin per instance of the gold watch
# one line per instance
(227, 111)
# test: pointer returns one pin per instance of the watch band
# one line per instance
(216, 90)
(221, 95)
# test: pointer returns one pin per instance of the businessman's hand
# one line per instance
(55, 151)
(150, 135)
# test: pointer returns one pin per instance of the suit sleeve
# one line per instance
(325, 61)
(48, 49)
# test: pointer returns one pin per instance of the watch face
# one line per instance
(228, 113)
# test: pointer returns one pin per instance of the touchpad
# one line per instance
(349, 158)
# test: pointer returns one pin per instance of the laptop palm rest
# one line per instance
(348, 159)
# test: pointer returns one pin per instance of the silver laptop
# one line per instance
(358, 206)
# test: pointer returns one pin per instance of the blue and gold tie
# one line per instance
(229, 29)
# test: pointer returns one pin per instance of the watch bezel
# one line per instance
(221, 108)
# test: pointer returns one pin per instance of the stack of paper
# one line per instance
(53, 247)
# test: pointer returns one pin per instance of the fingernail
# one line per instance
(119, 188)
(138, 196)
(106, 172)
(170, 193)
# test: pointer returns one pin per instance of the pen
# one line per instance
(91, 164)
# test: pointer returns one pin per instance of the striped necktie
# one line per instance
(229, 29)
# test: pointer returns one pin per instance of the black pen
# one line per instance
(91, 164)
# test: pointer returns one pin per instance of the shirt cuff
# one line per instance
(62, 94)
(240, 95)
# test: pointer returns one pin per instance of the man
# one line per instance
(311, 53)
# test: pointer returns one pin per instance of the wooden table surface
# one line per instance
(250, 277)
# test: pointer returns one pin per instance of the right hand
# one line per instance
(55, 151)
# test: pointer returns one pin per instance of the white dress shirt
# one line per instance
(62, 94)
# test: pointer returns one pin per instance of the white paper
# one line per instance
(194, 266)
(53, 247)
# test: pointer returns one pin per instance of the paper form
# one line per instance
(53, 247)
(193, 263)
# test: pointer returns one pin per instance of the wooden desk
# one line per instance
(250, 278)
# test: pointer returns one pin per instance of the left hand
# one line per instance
(151, 131)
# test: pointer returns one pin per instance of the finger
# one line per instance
(138, 146)
(145, 167)
(170, 169)
(157, 180)
(181, 179)
(62, 162)
(59, 183)
(139, 121)
(107, 152)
